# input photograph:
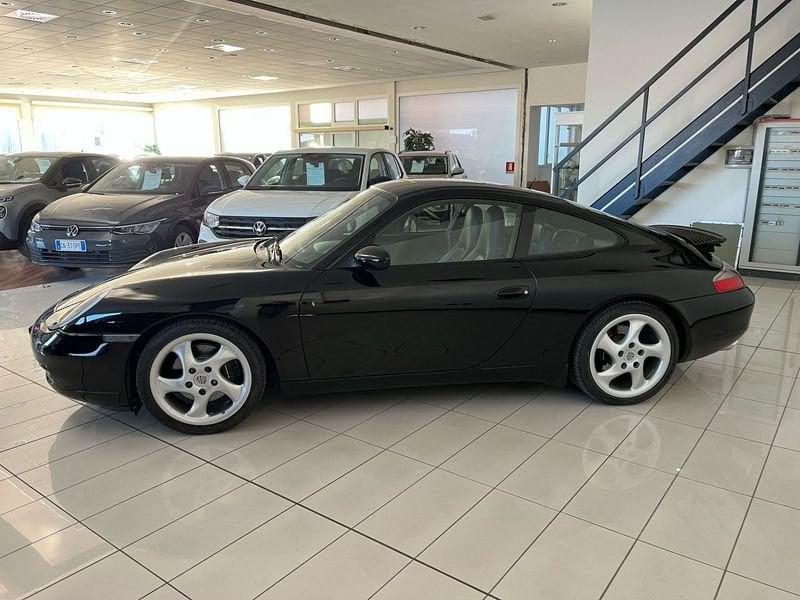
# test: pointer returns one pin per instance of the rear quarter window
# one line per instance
(554, 232)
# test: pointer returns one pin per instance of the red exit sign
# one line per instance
(509, 166)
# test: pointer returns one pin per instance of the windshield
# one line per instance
(425, 165)
(309, 171)
(23, 169)
(145, 178)
(316, 239)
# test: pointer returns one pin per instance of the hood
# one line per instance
(14, 189)
(278, 203)
(106, 209)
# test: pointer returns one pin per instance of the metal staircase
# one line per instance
(760, 88)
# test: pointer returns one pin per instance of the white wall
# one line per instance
(654, 32)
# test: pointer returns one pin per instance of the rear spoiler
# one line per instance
(705, 241)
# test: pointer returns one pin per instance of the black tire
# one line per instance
(217, 327)
(22, 234)
(178, 231)
(580, 361)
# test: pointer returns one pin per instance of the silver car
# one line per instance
(432, 163)
(29, 181)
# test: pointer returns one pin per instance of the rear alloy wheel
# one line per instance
(625, 354)
(201, 376)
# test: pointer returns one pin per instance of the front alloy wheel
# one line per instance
(201, 375)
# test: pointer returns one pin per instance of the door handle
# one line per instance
(512, 293)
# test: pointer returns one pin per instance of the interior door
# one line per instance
(451, 299)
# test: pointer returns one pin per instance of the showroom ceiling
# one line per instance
(524, 33)
(156, 50)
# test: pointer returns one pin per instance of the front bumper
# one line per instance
(103, 248)
(89, 368)
(715, 322)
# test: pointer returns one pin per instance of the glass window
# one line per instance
(553, 232)
(75, 169)
(256, 130)
(309, 171)
(377, 170)
(210, 180)
(235, 170)
(376, 139)
(373, 111)
(23, 169)
(344, 112)
(546, 150)
(452, 232)
(394, 167)
(9, 130)
(106, 131)
(314, 115)
(101, 164)
(425, 165)
(344, 138)
(315, 140)
(145, 178)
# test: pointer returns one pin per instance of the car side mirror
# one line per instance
(374, 258)
(71, 183)
(458, 171)
(242, 181)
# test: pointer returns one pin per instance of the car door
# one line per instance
(450, 300)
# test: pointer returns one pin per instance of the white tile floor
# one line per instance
(510, 492)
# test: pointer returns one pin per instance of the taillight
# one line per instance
(728, 280)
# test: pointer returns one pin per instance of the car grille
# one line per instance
(98, 257)
(242, 227)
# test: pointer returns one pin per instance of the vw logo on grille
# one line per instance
(73, 230)
(259, 228)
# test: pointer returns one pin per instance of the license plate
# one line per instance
(71, 245)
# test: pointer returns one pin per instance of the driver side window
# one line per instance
(377, 170)
(453, 232)
(74, 169)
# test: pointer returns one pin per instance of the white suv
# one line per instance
(293, 187)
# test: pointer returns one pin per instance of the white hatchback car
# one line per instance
(432, 163)
(293, 187)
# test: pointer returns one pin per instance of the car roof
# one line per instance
(58, 154)
(425, 152)
(333, 150)
(190, 160)
(406, 187)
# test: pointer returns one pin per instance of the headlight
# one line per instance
(6, 198)
(65, 315)
(35, 225)
(138, 228)
(3, 212)
(210, 220)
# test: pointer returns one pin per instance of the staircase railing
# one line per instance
(644, 93)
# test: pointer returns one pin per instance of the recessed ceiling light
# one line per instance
(139, 61)
(6, 4)
(108, 12)
(72, 36)
(224, 48)
(201, 20)
(260, 77)
(552, 41)
(125, 24)
(487, 17)
(330, 60)
(269, 49)
(419, 27)
(187, 68)
(162, 50)
(218, 40)
(380, 69)
(29, 15)
(212, 58)
(139, 34)
(28, 48)
(558, 4)
(346, 68)
(395, 51)
(333, 38)
(262, 32)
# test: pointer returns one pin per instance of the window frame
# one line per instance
(466, 200)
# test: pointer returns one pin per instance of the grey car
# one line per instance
(432, 163)
(29, 181)
(136, 209)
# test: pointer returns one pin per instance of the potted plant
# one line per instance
(415, 140)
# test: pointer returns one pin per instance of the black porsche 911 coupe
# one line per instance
(408, 283)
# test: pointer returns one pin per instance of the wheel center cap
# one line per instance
(630, 356)
(201, 379)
